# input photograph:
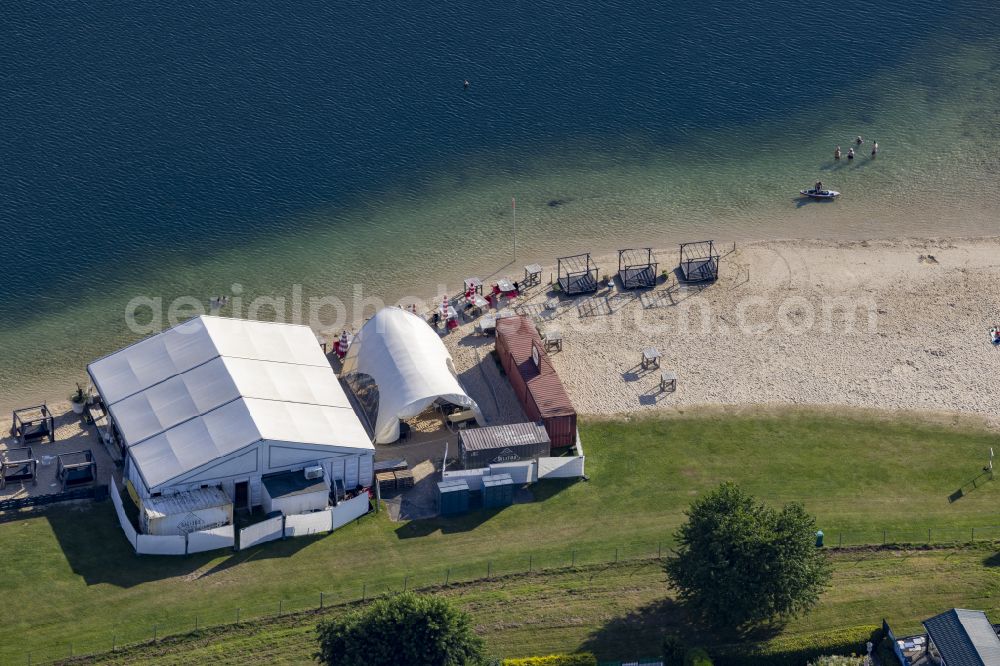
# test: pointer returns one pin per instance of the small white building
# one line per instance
(223, 402)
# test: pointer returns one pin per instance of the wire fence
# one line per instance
(167, 623)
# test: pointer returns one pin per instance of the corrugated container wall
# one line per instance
(537, 387)
(482, 447)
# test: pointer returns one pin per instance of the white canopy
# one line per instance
(213, 386)
(410, 365)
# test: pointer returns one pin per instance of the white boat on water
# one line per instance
(813, 193)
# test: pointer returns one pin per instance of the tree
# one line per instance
(740, 563)
(404, 629)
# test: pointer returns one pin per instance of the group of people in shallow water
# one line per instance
(850, 152)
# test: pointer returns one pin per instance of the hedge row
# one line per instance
(799, 649)
(577, 659)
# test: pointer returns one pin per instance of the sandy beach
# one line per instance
(885, 325)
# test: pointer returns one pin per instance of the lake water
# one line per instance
(180, 148)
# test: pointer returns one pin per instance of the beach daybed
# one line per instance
(30, 423)
(577, 274)
(699, 261)
(637, 268)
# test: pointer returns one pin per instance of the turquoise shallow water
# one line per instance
(177, 150)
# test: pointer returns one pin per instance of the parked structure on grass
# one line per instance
(534, 380)
(957, 637)
(637, 268)
(218, 402)
(397, 368)
(699, 261)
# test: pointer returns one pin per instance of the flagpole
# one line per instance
(513, 204)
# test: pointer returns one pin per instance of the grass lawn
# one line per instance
(620, 611)
(75, 580)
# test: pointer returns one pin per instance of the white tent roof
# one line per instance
(410, 365)
(212, 386)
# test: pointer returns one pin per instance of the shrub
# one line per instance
(697, 657)
(836, 660)
(405, 629)
(576, 659)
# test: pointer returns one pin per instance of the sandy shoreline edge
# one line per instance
(928, 351)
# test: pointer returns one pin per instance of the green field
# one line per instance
(73, 579)
(620, 611)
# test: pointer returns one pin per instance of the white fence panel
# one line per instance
(350, 510)
(564, 467)
(520, 472)
(126, 524)
(217, 537)
(268, 530)
(308, 523)
(174, 544)
(474, 477)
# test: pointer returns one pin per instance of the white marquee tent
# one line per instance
(410, 365)
(219, 401)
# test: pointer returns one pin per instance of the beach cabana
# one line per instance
(30, 423)
(637, 268)
(398, 367)
(17, 464)
(699, 261)
(577, 274)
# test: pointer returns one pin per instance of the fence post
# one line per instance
(616, 555)
(840, 539)
(928, 535)
(659, 550)
(364, 591)
(883, 537)
(406, 579)
(114, 641)
(29, 659)
(154, 633)
(70, 650)
(489, 566)
(973, 533)
(196, 623)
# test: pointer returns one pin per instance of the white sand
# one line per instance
(773, 331)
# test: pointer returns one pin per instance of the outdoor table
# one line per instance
(553, 338)
(650, 356)
(474, 284)
(477, 301)
(532, 274)
(505, 285)
(552, 303)
(486, 325)
(668, 381)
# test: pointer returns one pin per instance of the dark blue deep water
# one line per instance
(137, 133)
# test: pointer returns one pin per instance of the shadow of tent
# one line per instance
(271, 549)
(96, 549)
(992, 561)
(447, 525)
